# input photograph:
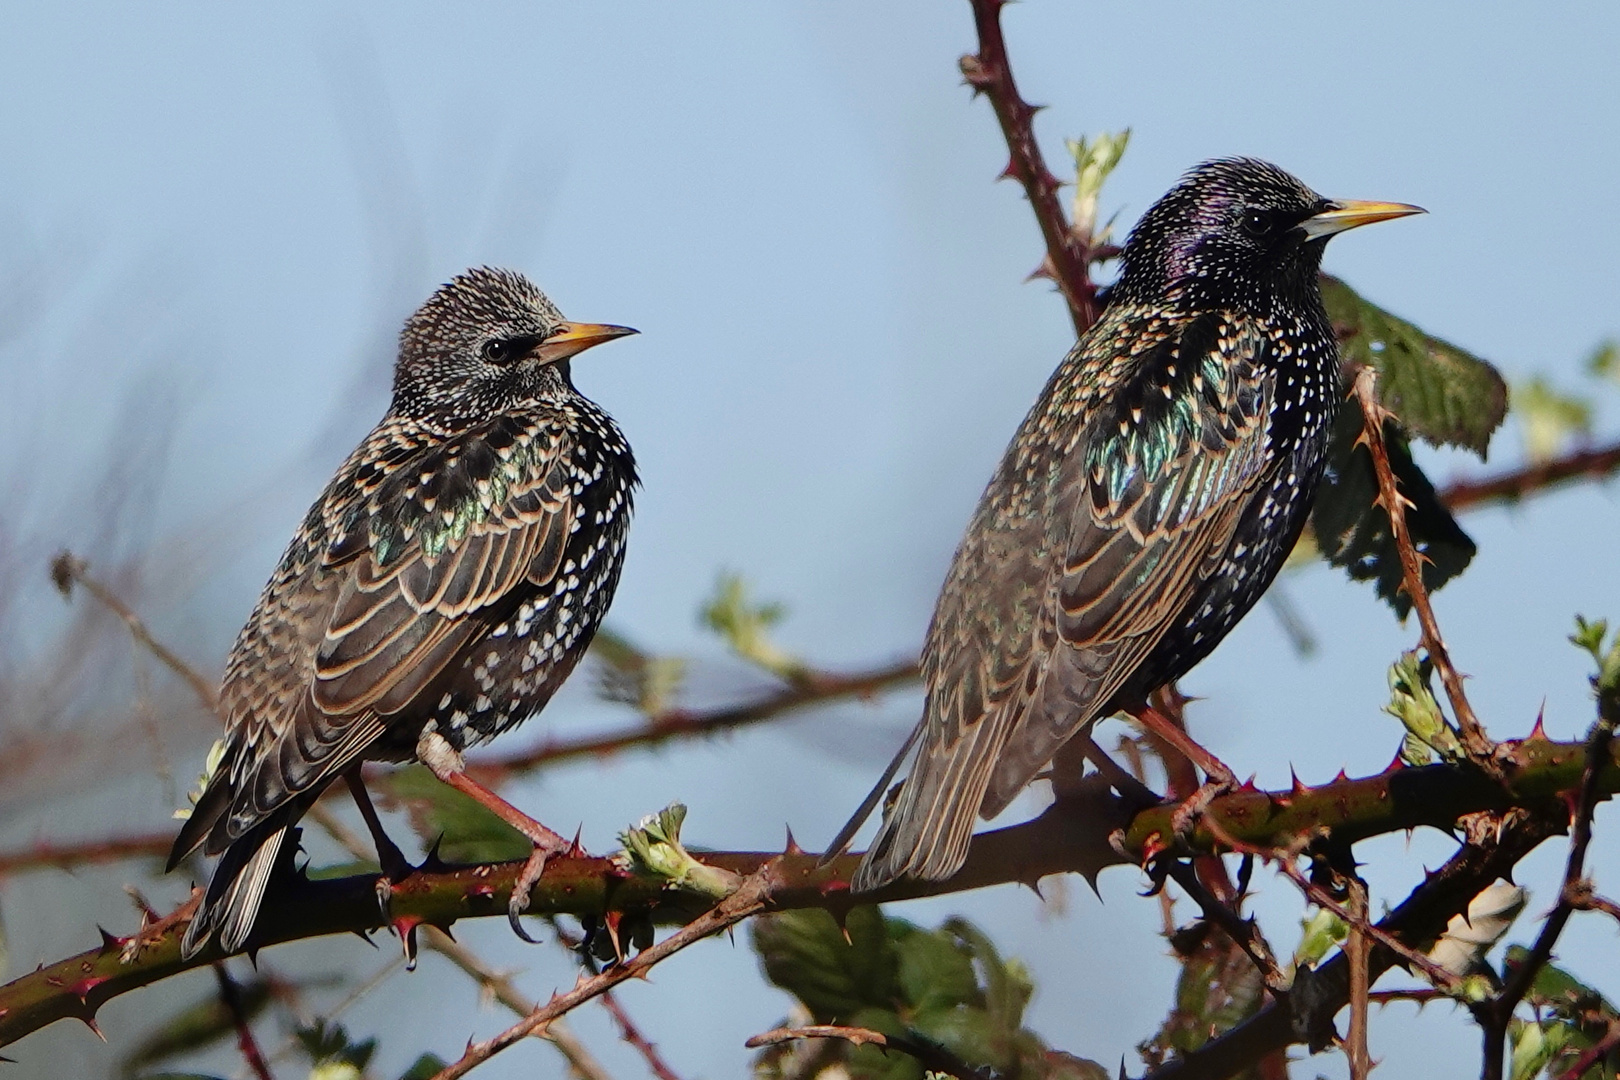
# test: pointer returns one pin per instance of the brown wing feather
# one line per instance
(359, 620)
(1074, 567)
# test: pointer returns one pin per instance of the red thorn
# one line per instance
(82, 988)
(1152, 846)
(110, 942)
(405, 926)
(574, 850)
(1043, 271)
(1009, 173)
(1396, 764)
(1539, 732)
(1295, 785)
(827, 888)
(792, 847)
(1341, 778)
(1248, 785)
(90, 1022)
(444, 928)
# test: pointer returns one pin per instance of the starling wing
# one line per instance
(418, 548)
(1111, 508)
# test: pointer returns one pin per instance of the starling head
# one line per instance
(485, 342)
(1236, 232)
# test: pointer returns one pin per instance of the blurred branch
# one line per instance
(1068, 255)
(816, 688)
(933, 1058)
(1596, 463)
(1089, 830)
(67, 856)
(67, 569)
(231, 995)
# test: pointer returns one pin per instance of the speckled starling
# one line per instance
(1145, 504)
(438, 592)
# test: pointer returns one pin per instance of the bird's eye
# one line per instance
(497, 351)
(1257, 223)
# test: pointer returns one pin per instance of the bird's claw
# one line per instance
(522, 887)
(1192, 808)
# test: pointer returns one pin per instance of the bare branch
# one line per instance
(1591, 464)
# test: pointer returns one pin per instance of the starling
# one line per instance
(1145, 504)
(439, 591)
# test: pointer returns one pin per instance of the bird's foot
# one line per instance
(533, 867)
(1193, 807)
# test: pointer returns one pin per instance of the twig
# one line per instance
(632, 1035)
(1594, 463)
(628, 1029)
(231, 995)
(1318, 994)
(1245, 932)
(1067, 254)
(815, 689)
(1422, 995)
(1356, 948)
(750, 897)
(1584, 899)
(66, 856)
(581, 1062)
(933, 1058)
(1494, 1015)
(68, 569)
(1479, 745)
(1594, 1053)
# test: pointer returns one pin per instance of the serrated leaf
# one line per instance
(196, 1027)
(805, 954)
(1354, 533)
(1442, 394)
(1558, 990)
(471, 833)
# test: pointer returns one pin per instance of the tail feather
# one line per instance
(230, 906)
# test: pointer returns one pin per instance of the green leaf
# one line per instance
(1604, 363)
(1533, 1046)
(1094, 161)
(328, 1043)
(1442, 394)
(1353, 533)
(746, 627)
(424, 1068)
(1320, 931)
(653, 848)
(470, 832)
(1548, 418)
(805, 954)
(936, 972)
(1412, 702)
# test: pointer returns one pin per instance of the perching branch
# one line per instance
(1090, 830)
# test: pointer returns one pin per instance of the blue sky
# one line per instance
(212, 219)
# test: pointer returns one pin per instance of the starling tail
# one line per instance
(439, 591)
(1145, 504)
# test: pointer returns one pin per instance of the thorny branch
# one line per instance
(1474, 739)
(750, 898)
(933, 1058)
(1493, 1015)
(1085, 833)
(231, 995)
(1068, 255)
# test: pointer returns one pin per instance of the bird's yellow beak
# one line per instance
(572, 338)
(1343, 214)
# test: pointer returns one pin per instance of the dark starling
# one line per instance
(438, 592)
(1149, 498)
